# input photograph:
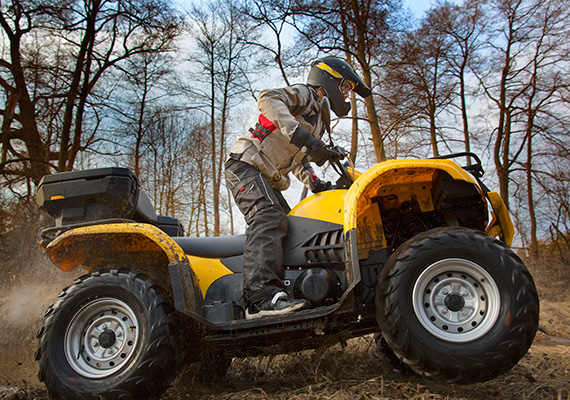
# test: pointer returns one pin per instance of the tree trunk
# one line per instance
(215, 184)
(29, 133)
(354, 135)
(534, 249)
(87, 43)
(433, 129)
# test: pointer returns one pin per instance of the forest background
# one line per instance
(165, 89)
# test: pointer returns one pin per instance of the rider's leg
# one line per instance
(265, 213)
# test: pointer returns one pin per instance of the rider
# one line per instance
(286, 137)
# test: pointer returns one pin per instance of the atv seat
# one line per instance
(212, 247)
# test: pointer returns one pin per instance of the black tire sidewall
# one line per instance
(430, 354)
(136, 293)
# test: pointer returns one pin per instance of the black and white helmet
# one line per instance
(338, 79)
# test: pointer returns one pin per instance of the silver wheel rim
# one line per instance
(101, 338)
(456, 300)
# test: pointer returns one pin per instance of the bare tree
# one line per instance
(275, 18)
(508, 42)
(86, 39)
(464, 26)
(418, 87)
(424, 68)
(145, 85)
(224, 50)
(543, 95)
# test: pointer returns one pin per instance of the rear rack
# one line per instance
(50, 234)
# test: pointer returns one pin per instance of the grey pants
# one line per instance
(265, 211)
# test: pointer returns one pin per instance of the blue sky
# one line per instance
(418, 6)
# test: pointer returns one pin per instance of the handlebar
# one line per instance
(341, 169)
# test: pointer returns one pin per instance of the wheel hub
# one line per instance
(456, 300)
(101, 338)
(107, 338)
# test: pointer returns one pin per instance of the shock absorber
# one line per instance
(411, 222)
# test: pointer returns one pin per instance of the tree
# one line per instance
(86, 39)
(222, 57)
(425, 71)
(266, 15)
(500, 78)
(145, 86)
(543, 96)
(464, 26)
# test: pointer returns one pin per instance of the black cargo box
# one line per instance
(81, 197)
(171, 226)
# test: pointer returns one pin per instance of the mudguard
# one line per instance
(362, 222)
(501, 224)
(127, 244)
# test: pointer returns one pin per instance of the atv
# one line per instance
(414, 251)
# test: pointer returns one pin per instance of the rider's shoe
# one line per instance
(279, 304)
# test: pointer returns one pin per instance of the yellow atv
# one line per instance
(415, 251)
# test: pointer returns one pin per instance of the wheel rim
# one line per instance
(101, 338)
(456, 300)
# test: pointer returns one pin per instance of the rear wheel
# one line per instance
(111, 334)
(456, 304)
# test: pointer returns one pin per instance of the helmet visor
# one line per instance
(346, 86)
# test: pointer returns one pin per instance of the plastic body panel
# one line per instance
(130, 244)
(362, 221)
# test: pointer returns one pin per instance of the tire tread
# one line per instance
(165, 340)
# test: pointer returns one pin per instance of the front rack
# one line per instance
(474, 169)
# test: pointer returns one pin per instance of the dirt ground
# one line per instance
(353, 372)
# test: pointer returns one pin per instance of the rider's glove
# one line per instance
(335, 154)
(321, 186)
(315, 148)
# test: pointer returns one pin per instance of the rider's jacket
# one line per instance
(267, 145)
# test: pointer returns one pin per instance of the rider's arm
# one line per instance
(280, 105)
(305, 173)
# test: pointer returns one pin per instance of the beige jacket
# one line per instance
(267, 145)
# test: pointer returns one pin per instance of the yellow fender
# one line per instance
(360, 219)
(501, 225)
(145, 246)
(93, 245)
(394, 172)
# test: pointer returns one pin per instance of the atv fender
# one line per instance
(133, 245)
(362, 222)
(501, 224)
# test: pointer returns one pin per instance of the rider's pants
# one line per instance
(265, 211)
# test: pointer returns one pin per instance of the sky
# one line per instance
(418, 7)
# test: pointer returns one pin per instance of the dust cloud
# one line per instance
(29, 283)
(22, 305)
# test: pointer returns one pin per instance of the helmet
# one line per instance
(337, 78)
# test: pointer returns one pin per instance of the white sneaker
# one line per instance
(280, 304)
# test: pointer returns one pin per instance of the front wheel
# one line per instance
(110, 335)
(457, 304)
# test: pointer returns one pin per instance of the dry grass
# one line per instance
(356, 372)
(551, 276)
